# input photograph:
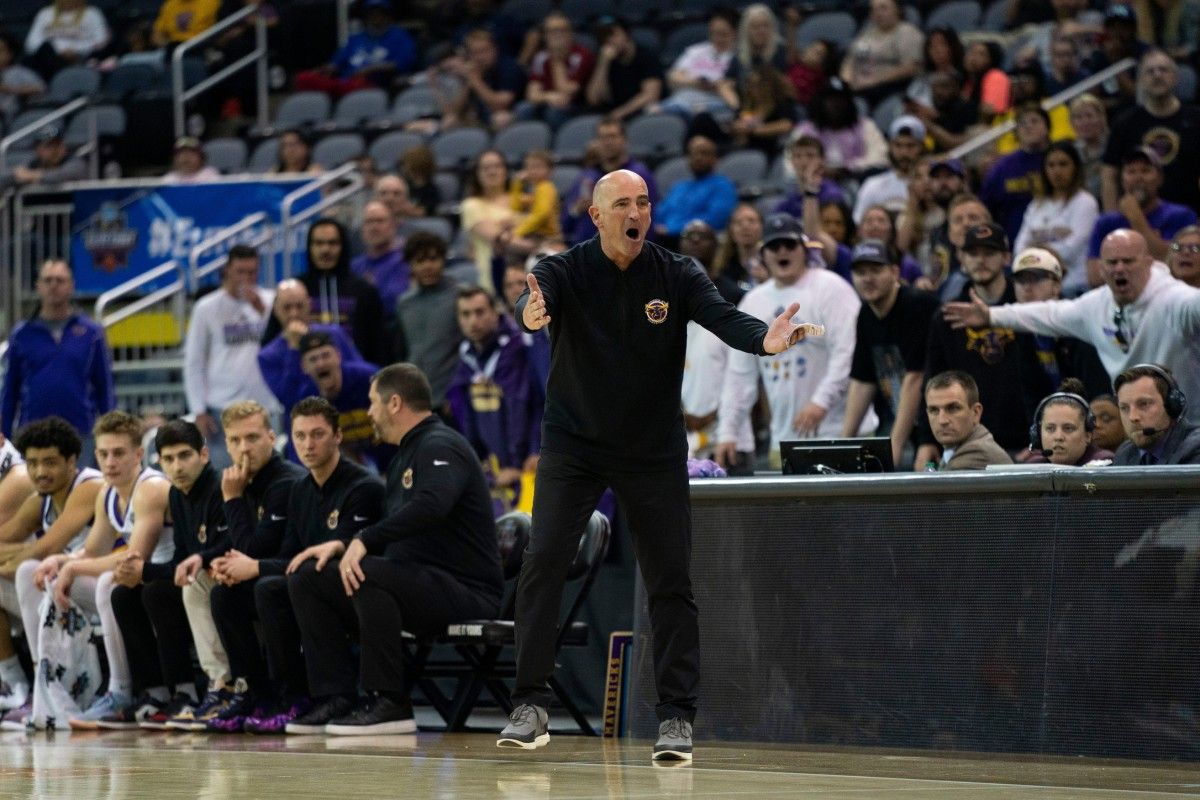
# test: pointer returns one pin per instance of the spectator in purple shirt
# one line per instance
(382, 264)
(1014, 179)
(805, 150)
(613, 149)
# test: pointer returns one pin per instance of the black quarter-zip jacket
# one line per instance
(617, 344)
(258, 518)
(350, 499)
(439, 510)
(198, 521)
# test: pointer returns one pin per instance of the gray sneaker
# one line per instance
(674, 740)
(527, 728)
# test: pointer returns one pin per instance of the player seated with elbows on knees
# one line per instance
(952, 404)
(54, 518)
(1152, 410)
(130, 511)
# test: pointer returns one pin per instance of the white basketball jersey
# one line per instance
(123, 523)
(50, 514)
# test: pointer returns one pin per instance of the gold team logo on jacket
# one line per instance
(406, 478)
(261, 509)
(202, 533)
(333, 519)
(656, 311)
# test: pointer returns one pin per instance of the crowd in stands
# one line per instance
(1036, 299)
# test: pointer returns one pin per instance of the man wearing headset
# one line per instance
(1152, 410)
(1142, 315)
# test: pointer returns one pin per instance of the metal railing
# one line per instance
(174, 291)
(343, 21)
(257, 56)
(290, 221)
(38, 232)
(54, 116)
(197, 273)
(1065, 96)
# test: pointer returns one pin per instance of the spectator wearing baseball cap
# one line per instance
(803, 402)
(1118, 41)
(189, 164)
(1037, 276)
(1012, 181)
(890, 345)
(1141, 209)
(906, 144)
(1010, 381)
(1062, 215)
(51, 162)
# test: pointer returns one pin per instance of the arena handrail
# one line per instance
(1065, 96)
(54, 116)
(258, 56)
(195, 272)
(288, 221)
(175, 290)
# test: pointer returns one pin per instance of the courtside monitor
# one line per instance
(836, 456)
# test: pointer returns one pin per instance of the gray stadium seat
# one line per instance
(836, 26)
(110, 121)
(777, 177)
(228, 154)
(387, 149)
(680, 38)
(746, 168)
(519, 138)
(564, 177)
(129, 78)
(335, 150)
(366, 106)
(580, 12)
(767, 204)
(527, 10)
(912, 14)
(1185, 88)
(266, 156)
(573, 136)
(645, 36)
(439, 226)
(671, 172)
(995, 18)
(27, 117)
(456, 149)
(69, 83)
(302, 109)
(449, 187)
(656, 136)
(888, 109)
(415, 102)
(961, 15)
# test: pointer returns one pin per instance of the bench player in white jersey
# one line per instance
(130, 510)
(53, 519)
(15, 485)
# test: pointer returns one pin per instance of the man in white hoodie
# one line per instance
(1140, 316)
(806, 385)
(220, 353)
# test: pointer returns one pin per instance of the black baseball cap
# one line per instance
(314, 339)
(781, 226)
(870, 251)
(988, 235)
(1142, 153)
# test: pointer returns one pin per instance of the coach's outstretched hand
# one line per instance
(534, 316)
(783, 333)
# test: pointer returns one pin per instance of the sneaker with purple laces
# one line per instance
(197, 719)
(276, 720)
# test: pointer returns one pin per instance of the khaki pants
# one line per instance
(209, 649)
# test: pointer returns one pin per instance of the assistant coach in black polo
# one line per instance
(618, 308)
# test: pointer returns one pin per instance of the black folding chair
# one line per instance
(484, 647)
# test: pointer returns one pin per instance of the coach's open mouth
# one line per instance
(633, 233)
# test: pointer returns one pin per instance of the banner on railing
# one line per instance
(119, 233)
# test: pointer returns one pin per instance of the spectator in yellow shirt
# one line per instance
(180, 20)
(534, 196)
